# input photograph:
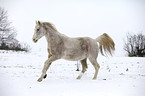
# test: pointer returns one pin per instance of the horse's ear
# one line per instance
(39, 22)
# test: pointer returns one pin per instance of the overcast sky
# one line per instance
(77, 18)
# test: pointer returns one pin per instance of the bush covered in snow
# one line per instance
(135, 45)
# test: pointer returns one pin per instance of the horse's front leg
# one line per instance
(46, 67)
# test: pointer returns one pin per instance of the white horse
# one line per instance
(74, 49)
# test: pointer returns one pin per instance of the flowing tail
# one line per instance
(106, 43)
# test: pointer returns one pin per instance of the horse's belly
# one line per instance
(74, 56)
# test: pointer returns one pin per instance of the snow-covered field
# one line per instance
(118, 76)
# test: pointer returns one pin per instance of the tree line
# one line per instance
(8, 34)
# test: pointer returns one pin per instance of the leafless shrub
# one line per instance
(135, 45)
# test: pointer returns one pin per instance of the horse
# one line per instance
(61, 46)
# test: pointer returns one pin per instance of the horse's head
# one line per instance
(39, 31)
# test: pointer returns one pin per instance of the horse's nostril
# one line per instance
(35, 40)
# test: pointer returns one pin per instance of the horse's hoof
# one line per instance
(45, 76)
(94, 78)
(78, 78)
(39, 80)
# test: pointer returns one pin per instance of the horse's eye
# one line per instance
(37, 29)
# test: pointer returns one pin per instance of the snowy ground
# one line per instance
(118, 76)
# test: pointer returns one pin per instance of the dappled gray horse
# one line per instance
(74, 49)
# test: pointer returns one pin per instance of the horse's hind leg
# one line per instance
(84, 67)
(96, 66)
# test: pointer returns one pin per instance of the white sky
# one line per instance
(77, 18)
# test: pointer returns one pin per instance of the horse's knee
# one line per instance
(98, 66)
(84, 63)
(84, 70)
(84, 67)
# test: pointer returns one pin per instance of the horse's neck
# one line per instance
(53, 38)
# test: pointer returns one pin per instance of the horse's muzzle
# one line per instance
(34, 40)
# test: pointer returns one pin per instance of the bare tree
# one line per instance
(135, 45)
(8, 39)
(7, 33)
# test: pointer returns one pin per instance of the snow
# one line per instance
(118, 76)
